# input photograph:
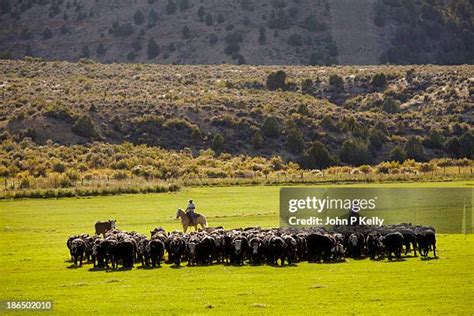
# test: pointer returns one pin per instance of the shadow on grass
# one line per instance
(293, 265)
(428, 258)
(73, 266)
(173, 266)
(140, 267)
(109, 269)
(395, 260)
(97, 269)
(326, 262)
(377, 259)
(121, 269)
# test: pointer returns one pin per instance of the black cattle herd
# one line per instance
(253, 245)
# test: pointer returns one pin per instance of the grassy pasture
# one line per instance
(33, 263)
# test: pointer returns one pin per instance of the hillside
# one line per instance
(359, 114)
(299, 32)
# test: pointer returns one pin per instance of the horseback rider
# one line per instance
(190, 212)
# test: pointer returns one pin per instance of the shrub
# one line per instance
(233, 41)
(26, 182)
(307, 87)
(183, 5)
(376, 138)
(336, 82)
(152, 18)
(138, 17)
(453, 147)
(58, 166)
(196, 135)
(295, 40)
(397, 154)
(317, 156)
(467, 145)
(262, 37)
(213, 39)
(427, 167)
(355, 152)
(208, 19)
(186, 32)
(303, 109)
(101, 50)
(47, 33)
(85, 52)
(220, 18)
(381, 127)
(312, 24)
(295, 141)
(170, 7)
(328, 123)
(414, 149)
(73, 175)
(123, 30)
(271, 127)
(280, 21)
(276, 80)
(201, 13)
(131, 55)
(379, 80)
(434, 140)
(85, 127)
(120, 175)
(5, 6)
(390, 105)
(137, 45)
(257, 140)
(153, 50)
(217, 143)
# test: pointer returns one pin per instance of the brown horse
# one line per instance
(199, 220)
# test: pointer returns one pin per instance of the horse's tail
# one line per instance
(204, 219)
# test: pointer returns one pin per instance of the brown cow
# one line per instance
(103, 227)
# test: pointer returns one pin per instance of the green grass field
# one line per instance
(34, 265)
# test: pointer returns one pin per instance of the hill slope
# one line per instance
(236, 109)
(240, 31)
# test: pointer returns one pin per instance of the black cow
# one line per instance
(409, 239)
(78, 247)
(393, 243)
(227, 248)
(191, 250)
(177, 249)
(239, 249)
(319, 247)
(143, 252)
(375, 248)
(426, 239)
(355, 244)
(69, 244)
(219, 248)
(124, 252)
(205, 249)
(301, 247)
(255, 251)
(277, 250)
(291, 248)
(89, 242)
(155, 251)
